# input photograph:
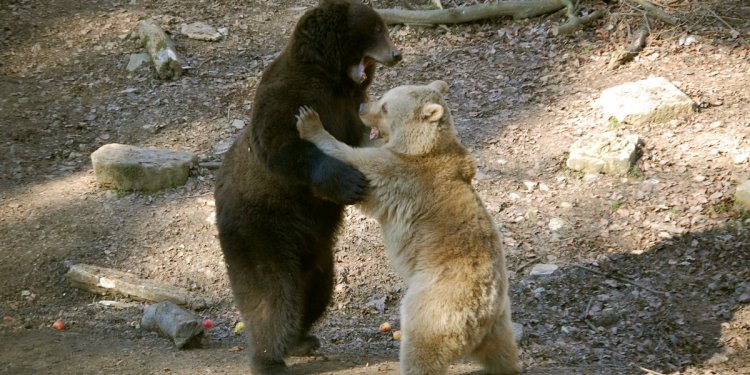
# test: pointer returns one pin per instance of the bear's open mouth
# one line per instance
(357, 72)
(374, 133)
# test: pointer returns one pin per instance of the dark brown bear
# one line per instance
(279, 199)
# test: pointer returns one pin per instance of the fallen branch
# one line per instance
(574, 22)
(106, 280)
(515, 8)
(636, 46)
(656, 12)
(621, 279)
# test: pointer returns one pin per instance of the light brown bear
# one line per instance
(437, 232)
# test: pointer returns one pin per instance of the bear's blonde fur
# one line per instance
(437, 233)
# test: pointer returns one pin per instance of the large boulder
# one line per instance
(126, 167)
(651, 100)
(605, 153)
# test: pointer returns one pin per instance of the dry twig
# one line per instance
(656, 12)
(621, 279)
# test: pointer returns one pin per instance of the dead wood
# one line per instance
(574, 22)
(516, 9)
(109, 281)
(637, 44)
(656, 12)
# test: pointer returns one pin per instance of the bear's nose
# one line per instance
(396, 54)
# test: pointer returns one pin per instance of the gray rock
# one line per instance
(517, 332)
(604, 153)
(143, 169)
(223, 146)
(200, 31)
(543, 270)
(238, 124)
(161, 50)
(606, 318)
(651, 100)
(137, 60)
(173, 322)
(556, 224)
(742, 195)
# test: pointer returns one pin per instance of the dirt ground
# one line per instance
(654, 267)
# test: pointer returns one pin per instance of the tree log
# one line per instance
(161, 49)
(106, 280)
(515, 8)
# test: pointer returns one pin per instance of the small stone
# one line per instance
(223, 146)
(744, 298)
(556, 224)
(517, 332)
(651, 100)
(530, 185)
(742, 195)
(223, 31)
(142, 169)
(137, 60)
(238, 124)
(200, 31)
(566, 205)
(741, 157)
(717, 359)
(543, 270)
(604, 153)
(606, 318)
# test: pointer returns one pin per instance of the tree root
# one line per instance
(515, 8)
(637, 44)
(656, 12)
(574, 22)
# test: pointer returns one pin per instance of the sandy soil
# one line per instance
(654, 266)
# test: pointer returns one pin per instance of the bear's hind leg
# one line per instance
(429, 342)
(498, 352)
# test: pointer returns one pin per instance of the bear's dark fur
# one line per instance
(279, 199)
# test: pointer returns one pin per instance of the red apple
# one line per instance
(58, 325)
(385, 327)
(208, 324)
(397, 335)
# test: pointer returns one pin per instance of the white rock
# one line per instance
(543, 270)
(200, 31)
(238, 124)
(143, 169)
(604, 153)
(530, 185)
(741, 157)
(650, 100)
(556, 224)
(742, 195)
(137, 60)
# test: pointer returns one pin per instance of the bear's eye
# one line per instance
(384, 110)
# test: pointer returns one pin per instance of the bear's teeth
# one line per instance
(374, 133)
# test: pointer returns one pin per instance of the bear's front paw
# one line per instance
(308, 122)
(339, 182)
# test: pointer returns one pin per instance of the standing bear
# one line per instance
(279, 199)
(436, 230)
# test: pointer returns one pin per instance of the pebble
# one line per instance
(238, 124)
(543, 270)
(556, 224)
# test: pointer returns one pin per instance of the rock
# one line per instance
(517, 332)
(143, 169)
(543, 270)
(223, 146)
(200, 31)
(716, 359)
(556, 224)
(173, 322)
(742, 195)
(651, 100)
(161, 50)
(741, 157)
(606, 318)
(604, 153)
(137, 60)
(238, 124)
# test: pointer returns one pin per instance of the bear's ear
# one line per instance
(432, 112)
(439, 86)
